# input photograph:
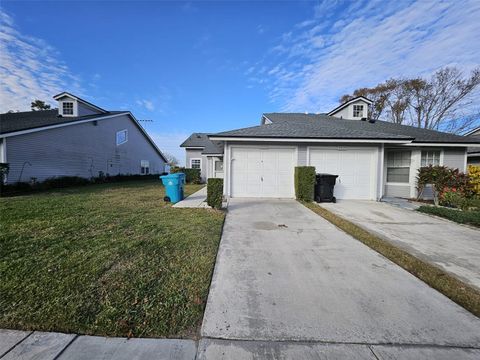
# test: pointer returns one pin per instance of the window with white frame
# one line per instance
(357, 110)
(196, 163)
(122, 137)
(67, 108)
(430, 157)
(145, 167)
(398, 166)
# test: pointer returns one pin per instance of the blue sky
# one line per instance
(212, 66)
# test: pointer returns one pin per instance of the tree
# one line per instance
(38, 105)
(444, 102)
(171, 159)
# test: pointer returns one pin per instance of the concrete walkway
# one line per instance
(52, 346)
(290, 285)
(196, 200)
(454, 248)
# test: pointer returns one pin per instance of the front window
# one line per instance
(357, 110)
(67, 108)
(398, 166)
(430, 157)
(145, 167)
(122, 137)
(195, 163)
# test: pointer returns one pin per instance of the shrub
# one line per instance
(462, 217)
(443, 179)
(192, 176)
(63, 182)
(305, 183)
(215, 192)
(455, 199)
(474, 178)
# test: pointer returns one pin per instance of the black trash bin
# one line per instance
(324, 185)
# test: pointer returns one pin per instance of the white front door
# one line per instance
(262, 172)
(355, 168)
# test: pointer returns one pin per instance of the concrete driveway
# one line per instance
(455, 248)
(288, 284)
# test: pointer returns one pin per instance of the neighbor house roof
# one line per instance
(17, 121)
(320, 126)
(201, 140)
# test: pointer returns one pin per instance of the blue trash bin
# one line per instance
(173, 187)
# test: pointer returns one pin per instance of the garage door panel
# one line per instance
(262, 172)
(354, 167)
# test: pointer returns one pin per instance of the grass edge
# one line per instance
(456, 290)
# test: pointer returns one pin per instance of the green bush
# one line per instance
(192, 176)
(305, 183)
(443, 179)
(63, 182)
(215, 192)
(462, 217)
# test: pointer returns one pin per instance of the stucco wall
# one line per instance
(80, 150)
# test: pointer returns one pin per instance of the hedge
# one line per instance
(215, 192)
(305, 183)
(59, 182)
(192, 176)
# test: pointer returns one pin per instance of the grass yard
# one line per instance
(109, 259)
(470, 217)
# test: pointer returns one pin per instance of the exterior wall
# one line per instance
(347, 112)
(302, 157)
(211, 166)
(197, 154)
(81, 150)
(455, 158)
(452, 157)
(474, 160)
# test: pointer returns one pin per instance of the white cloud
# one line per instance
(147, 104)
(348, 45)
(29, 69)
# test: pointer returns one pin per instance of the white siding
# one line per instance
(81, 150)
(455, 158)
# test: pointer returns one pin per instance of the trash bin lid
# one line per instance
(327, 175)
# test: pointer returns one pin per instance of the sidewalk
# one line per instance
(27, 345)
(196, 200)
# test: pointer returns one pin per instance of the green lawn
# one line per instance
(110, 259)
(471, 217)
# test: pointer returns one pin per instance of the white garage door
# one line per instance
(354, 167)
(262, 172)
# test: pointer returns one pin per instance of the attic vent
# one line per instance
(199, 137)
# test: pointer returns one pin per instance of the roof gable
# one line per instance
(351, 101)
(63, 95)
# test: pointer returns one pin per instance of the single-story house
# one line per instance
(77, 139)
(473, 154)
(204, 154)
(373, 159)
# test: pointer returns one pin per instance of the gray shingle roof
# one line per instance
(320, 126)
(17, 121)
(202, 140)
